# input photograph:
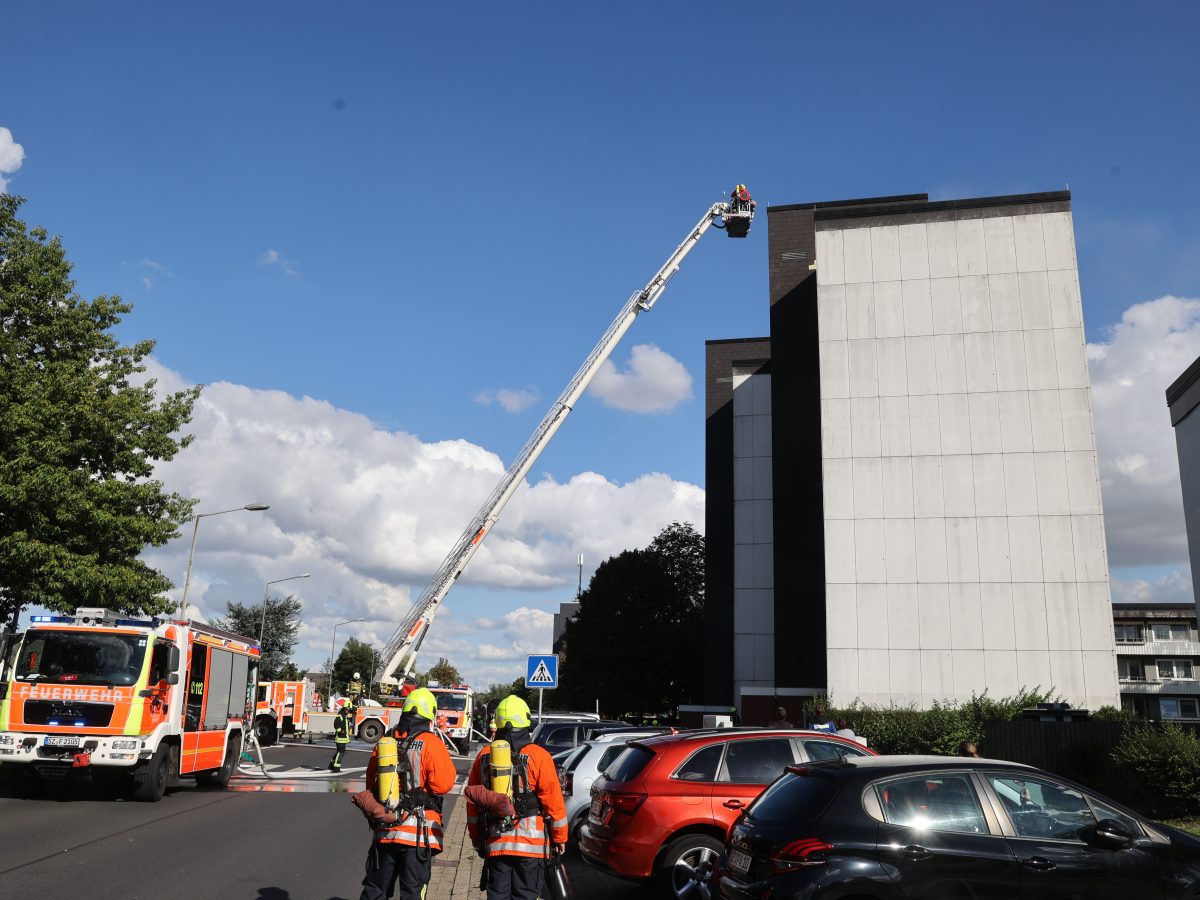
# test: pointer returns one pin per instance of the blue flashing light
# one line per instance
(52, 722)
(80, 723)
(41, 619)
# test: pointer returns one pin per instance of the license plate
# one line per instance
(61, 740)
(739, 861)
(597, 806)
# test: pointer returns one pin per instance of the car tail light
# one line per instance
(626, 801)
(804, 852)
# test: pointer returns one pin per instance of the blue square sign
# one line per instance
(541, 671)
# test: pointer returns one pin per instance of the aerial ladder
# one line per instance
(400, 653)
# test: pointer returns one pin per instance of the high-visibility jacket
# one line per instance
(341, 729)
(528, 836)
(430, 762)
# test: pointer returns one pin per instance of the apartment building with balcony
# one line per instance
(1158, 659)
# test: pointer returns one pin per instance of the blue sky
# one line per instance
(394, 210)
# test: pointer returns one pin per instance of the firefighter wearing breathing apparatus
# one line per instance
(409, 772)
(517, 847)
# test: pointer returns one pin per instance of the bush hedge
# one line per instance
(937, 730)
(1166, 760)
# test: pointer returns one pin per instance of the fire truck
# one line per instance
(454, 709)
(143, 699)
(282, 707)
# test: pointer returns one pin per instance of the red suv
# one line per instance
(664, 806)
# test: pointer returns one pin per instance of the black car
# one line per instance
(926, 827)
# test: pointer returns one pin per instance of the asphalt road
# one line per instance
(294, 836)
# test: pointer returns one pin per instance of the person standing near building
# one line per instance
(515, 852)
(342, 724)
(821, 721)
(401, 855)
(781, 720)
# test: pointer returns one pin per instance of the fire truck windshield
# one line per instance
(451, 702)
(81, 657)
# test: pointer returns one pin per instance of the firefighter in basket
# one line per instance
(409, 772)
(515, 812)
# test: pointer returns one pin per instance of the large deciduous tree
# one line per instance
(441, 672)
(356, 656)
(80, 433)
(279, 633)
(635, 644)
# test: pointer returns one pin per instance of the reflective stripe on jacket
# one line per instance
(429, 757)
(528, 836)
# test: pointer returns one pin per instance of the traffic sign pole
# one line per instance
(541, 691)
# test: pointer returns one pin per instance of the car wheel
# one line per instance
(150, 783)
(370, 732)
(684, 869)
(220, 778)
(266, 731)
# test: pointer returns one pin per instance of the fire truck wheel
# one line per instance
(266, 731)
(220, 778)
(150, 782)
(24, 782)
(370, 732)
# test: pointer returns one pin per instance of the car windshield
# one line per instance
(451, 702)
(81, 657)
(798, 799)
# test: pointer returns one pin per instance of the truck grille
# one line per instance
(63, 712)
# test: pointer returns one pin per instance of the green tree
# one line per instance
(633, 644)
(79, 437)
(356, 656)
(279, 634)
(441, 672)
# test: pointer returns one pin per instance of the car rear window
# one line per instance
(629, 764)
(609, 754)
(797, 799)
(574, 759)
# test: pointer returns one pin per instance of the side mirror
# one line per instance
(1111, 833)
(173, 678)
(173, 662)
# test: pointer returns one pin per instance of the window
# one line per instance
(160, 663)
(756, 762)
(629, 764)
(1175, 669)
(610, 753)
(195, 687)
(1129, 634)
(1177, 708)
(1107, 812)
(1164, 631)
(702, 765)
(1043, 809)
(936, 802)
(794, 800)
(818, 750)
(1131, 670)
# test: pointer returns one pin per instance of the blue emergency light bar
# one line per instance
(40, 619)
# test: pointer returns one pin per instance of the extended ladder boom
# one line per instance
(406, 641)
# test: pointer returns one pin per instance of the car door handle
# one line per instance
(915, 851)
(1040, 863)
(733, 804)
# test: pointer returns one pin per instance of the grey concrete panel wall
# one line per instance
(1187, 443)
(964, 532)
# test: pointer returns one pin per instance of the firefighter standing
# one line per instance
(341, 737)
(401, 854)
(516, 853)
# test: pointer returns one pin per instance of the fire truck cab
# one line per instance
(454, 709)
(145, 700)
(282, 707)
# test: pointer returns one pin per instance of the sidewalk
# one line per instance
(457, 868)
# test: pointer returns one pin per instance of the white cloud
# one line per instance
(371, 513)
(151, 272)
(1174, 587)
(272, 258)
(513, 400)
(1139, 466)
(653, 382)
(12, 155)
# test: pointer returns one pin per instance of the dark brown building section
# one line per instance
(721, 358)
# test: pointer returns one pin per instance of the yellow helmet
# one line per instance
(514, 711)
(422, 702)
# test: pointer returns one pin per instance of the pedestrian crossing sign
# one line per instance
(541, 671)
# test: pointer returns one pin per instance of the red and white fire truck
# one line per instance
(282, 707)
(148, 700)
(454, 709)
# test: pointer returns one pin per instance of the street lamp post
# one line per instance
(332, 650)
(187, 580)
(263, 627)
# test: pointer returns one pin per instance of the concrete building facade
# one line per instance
(931, 524)
(1182, 399)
